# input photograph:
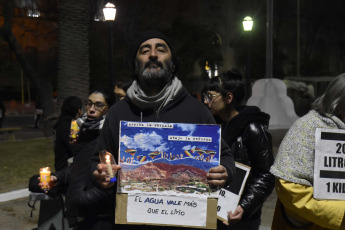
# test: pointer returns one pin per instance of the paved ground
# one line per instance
(15, 214)
(26, 123)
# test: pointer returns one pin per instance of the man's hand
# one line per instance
(234, 217)
(217, 176)
(101, 176)
(47, 186)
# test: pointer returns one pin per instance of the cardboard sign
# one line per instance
(329, 165)
(229, 197)
(122, 205)
(167, 163)
(172, 210)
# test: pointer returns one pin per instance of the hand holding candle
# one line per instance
(45, 177)
(108, 159)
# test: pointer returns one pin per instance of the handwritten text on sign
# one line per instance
(329, 173)
(171, 210)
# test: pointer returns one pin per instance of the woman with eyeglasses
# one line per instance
(245, 129)
(86, 204)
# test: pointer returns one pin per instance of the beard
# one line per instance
(155, 71)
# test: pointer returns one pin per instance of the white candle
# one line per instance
(110, 170)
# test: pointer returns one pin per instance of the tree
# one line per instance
(39, 82)
(73, 74)
(195, 43)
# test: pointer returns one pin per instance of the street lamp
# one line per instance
(247, 23)
(109, 12)
(247, 27)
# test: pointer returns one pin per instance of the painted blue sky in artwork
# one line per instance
(150, 142)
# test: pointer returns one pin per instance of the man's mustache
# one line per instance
(158, 63)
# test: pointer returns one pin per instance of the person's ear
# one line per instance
(105, 110)
(79, 113)
(229, 98)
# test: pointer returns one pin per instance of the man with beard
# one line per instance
(156, 95)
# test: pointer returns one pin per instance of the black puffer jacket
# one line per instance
(62, 148)
(84, 198)
(251, 143)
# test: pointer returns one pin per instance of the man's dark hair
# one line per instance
(108, 95)
(71, 106)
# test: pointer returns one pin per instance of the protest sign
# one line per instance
(229, 197)
(167, 210)
(167, 163)
(329, 174)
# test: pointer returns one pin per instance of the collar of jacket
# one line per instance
(246, 115)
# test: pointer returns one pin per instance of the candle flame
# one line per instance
(46, 169)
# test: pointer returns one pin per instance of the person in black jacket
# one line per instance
(156, 95)
(87, 203)
(71, 109)
(245, 130)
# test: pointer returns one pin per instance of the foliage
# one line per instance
(195, 42)
(22, 159)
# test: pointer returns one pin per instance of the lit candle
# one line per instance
(45, 176)
(110, 170)
(74, 131)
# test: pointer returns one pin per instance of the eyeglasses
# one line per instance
(98, 105)
(208, 98)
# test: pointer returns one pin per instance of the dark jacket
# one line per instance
(83, 198)
(62, 148)
(251, 143)
(183, 109)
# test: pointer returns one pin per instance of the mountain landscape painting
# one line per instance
(169, 158)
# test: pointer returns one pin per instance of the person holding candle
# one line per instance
(63, 150)
(156, 95)
(84, 201)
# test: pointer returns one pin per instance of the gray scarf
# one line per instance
(84, 123)
(168, 93)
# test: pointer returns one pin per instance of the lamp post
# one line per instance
(247, 27)
(109, 12)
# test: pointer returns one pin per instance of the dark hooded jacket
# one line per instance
(251, 143)
(83, 197)
(62, 148)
